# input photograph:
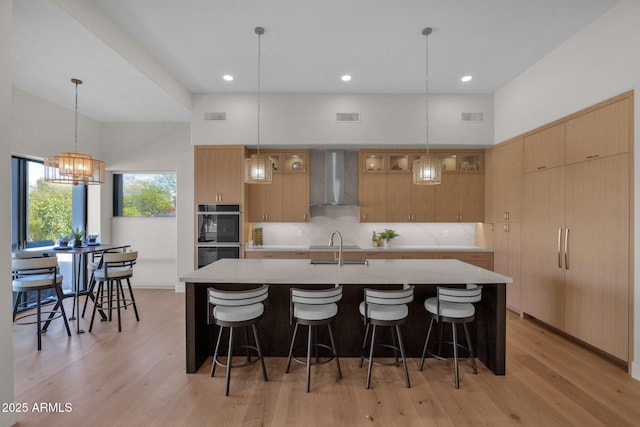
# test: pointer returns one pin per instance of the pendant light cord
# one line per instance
(259, 31)
(426, 33)
(76, 116)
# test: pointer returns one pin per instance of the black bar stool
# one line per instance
(385, 308)
(314, 308)
(235, 309)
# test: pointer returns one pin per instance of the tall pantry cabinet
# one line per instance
(576, 225)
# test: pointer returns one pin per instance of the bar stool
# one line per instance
(38, 274)
(233, 309)
(452, 305)
(116, 267)
(385, 308)
(314, 308)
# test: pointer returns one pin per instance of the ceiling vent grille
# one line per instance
(347, 117)
(214, 116)
(472, 117)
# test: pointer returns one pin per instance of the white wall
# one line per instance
(599, 62)
(309, 119)
(165, 244)
(6, 324)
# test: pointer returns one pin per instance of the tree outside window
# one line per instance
(145, 194)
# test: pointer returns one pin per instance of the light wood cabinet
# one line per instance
(542, 253)
(545, 149)
(576, 230)
(267, 254)
(507, 169)
(218, 174)
(372, 197)
(460, 198)
(597, 247)
(286, 199)
(602, 132)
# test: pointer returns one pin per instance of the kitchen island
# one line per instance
(275, 330)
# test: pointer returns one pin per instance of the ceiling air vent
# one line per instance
(347, 117)
(214, 116)
(472, 117)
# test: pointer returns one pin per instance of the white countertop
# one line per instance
(379, 271)
(411, 248)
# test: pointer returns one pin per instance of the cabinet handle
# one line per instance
(559, 247)
(506, 228)
(541, 167)
(304, 216)
(566, 249)
(364, 216)
(592, 156)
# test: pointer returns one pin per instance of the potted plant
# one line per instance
(63, 241)
(77, 234)
(387, 237)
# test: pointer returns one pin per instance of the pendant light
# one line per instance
(427, 169)
(258, 168)
(74, 168)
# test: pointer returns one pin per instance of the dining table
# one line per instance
(79, 265)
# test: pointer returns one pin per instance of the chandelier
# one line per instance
(74, 168)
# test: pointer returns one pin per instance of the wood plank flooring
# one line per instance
(137, 378)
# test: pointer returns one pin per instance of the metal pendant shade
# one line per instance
(74, 168)
(427, 169)
(258, 168)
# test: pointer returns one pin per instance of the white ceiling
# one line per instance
(135, 57)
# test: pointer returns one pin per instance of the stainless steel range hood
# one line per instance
(334, 177)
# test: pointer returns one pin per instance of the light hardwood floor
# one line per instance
(137, 378)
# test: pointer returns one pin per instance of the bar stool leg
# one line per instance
(64, 314)
(309, 336)
(215, 352)
(118, 285)
(373, 339)
(99, 296)
(293, 340)
(364, 344)
(255, 336)
(471, 354)
(395, 345)
(455, 354)
(404, 359)
(426, 342)
(229, 355)
(133, 300)
(333, 347)
(39, 317)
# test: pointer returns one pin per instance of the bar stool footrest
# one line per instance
(325, 358)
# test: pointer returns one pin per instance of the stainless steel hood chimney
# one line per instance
(334, 177)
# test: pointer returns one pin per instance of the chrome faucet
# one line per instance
(333, 233)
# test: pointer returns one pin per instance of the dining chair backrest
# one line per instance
(238, 298)
(124, 258)
(39, 265)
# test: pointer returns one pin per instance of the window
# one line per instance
(42, 212)
(144, 194)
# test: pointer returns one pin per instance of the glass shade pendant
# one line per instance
(258, 168)
(427, 170)
(74, 168)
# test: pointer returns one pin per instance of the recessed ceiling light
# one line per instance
(466, 78)
(345, 78)
(227, 77)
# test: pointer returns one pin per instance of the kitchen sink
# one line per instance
(335, 262)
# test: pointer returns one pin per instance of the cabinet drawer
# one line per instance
(276, 254)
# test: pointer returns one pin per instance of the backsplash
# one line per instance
(325, 219)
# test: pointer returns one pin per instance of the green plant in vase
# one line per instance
(387, 237)
(77, 234)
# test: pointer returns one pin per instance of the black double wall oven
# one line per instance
(218, 233)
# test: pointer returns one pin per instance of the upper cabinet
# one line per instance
(218, 174)
(286, 199)
(600, 133)
(545, 149)
(507, 181)
(387, 192)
